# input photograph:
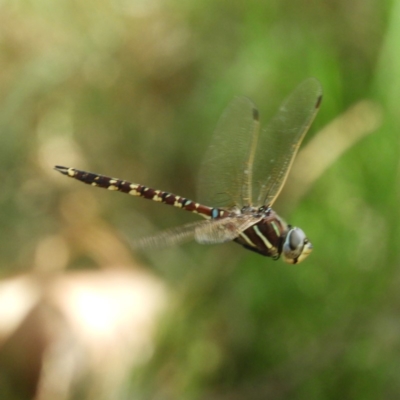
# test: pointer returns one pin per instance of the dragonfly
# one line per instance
(242, 174)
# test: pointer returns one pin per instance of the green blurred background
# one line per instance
(134, 89)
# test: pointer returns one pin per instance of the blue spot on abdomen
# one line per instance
(214, 213)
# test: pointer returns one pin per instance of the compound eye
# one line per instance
(296, 246)
(296, 239)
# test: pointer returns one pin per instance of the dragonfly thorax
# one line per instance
(256, 211)
(271, 236)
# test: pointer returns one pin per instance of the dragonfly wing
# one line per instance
(205, 232)
(280, 140)
(223, 179)
(170, 237)
(224, 230)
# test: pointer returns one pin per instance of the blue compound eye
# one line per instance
(296, 246)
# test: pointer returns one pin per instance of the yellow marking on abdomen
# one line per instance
(157, 197)
(134, 191)
(176, 203)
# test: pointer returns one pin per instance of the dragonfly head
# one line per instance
(296, 246)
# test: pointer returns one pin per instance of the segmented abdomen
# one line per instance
(135, 189)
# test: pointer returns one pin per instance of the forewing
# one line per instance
(222, 178)
(279, 141)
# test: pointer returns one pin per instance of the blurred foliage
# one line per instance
(134, 89)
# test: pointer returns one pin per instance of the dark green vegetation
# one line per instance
(134, 90)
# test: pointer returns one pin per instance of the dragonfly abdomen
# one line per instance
(135, 189)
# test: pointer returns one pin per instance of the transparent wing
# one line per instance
(222, 179)
(224, 230)
(244, 167)
(170, 237)
(280, 140)
(205, 232)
